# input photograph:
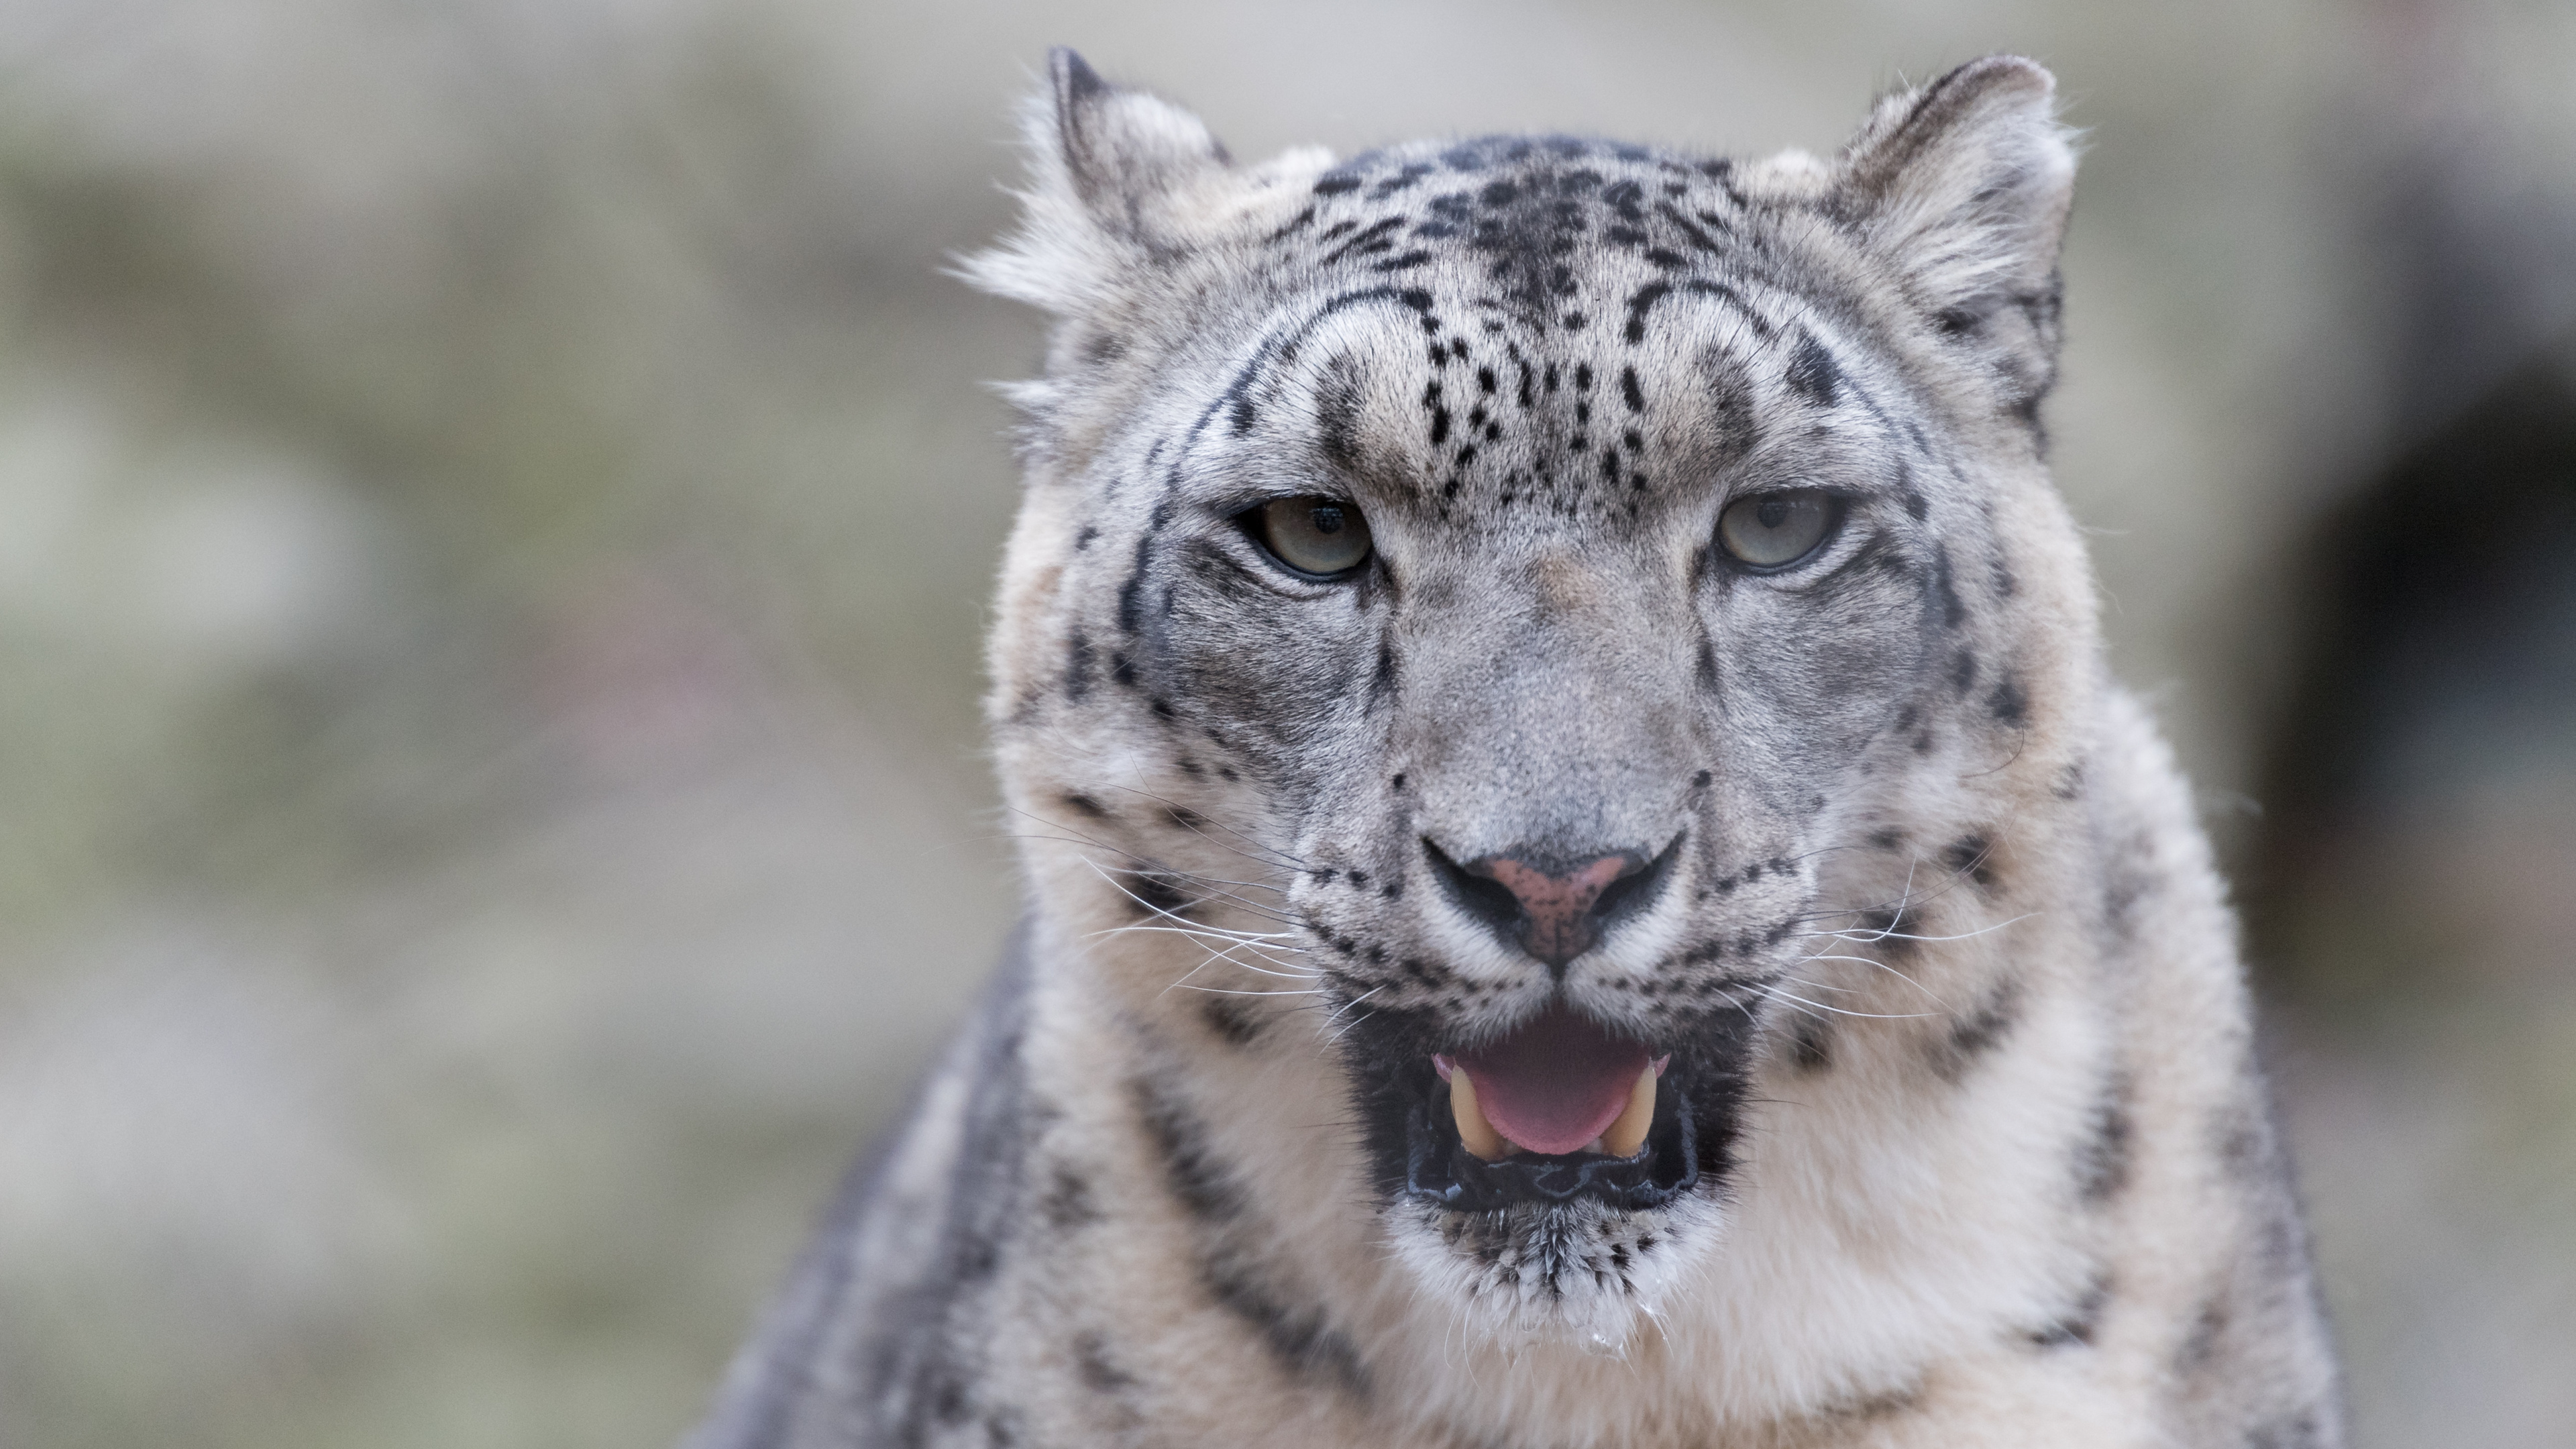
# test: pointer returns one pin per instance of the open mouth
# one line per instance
(1558, 1109)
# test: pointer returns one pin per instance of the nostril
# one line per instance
(1486, 899)
(1636, 890)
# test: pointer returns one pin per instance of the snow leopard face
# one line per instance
(1531, 594)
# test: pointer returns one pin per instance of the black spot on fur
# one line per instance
(2102, 1158)
(1889, 931)
(1812, 373)
(1131, 594)
(1151, 894)
(2244, 1145)
(1196, 1176)
(1368, 241)
(1811, 1044)
(1301, 1340)
(2007, 703)
(1640, 304)
(1871, 1407)
(1084, 805)
(1954, 610)
(2199, 1347)
(1963, 671)
(2079, 1323)
(1232, 1021)
(1630, 392)
(1969, 855)
(1337, 421)
(1972, 1036)
(1068, 1205)
(1092, 1363)
(1077, 667)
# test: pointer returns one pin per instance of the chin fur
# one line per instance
(1577, 1274)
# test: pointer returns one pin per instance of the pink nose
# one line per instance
(1557, 917)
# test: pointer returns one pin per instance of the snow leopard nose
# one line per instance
(1553, 911)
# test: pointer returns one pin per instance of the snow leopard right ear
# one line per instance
(1963, 186)
(1122, 179)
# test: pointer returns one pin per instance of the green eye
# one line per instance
(1769, 530)
(1313, 534)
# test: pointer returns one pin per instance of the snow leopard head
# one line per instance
(1506, 607)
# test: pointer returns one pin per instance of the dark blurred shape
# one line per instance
(2439, 677)
(2412, 891)
(2431, 717)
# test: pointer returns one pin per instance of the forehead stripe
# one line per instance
(1648, 295)
(1281, 344)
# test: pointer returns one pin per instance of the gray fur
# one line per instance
(1961, 1052)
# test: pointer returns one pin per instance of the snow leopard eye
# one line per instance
(1325, 537)
(1774, 530)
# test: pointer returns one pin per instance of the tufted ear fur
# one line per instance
(1964, 185)
(1128, 155)
(1121, 180)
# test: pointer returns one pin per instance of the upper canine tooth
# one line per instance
(1473, 1129)
(1623, 1137)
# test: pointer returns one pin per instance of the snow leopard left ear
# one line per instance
(1128, 155)
(1964, 186)
(1121, 180)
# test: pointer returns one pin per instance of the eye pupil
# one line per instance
(1328, 518)
(1772, 511)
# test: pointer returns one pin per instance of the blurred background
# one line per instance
(496, 506)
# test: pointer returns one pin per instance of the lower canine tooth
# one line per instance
(1473, 1129)
(1623, 1137)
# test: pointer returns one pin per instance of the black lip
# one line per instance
(1438, 1167)
(1412, 1136)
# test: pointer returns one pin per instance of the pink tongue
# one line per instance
(1553, 1085)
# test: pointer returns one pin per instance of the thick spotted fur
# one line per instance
(1980, 1153)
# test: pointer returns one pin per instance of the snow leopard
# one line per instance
(1587, 881)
